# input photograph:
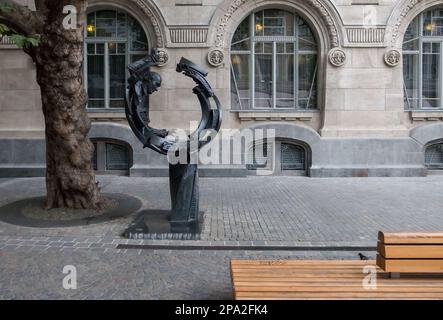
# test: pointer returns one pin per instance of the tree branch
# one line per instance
(20, 18)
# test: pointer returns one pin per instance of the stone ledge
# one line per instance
(427, 116)
(105, 115)
(276, 116)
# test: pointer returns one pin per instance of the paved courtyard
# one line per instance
(291, 209)
(244, 218)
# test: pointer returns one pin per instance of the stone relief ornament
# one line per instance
(163, 57)
(404, 11)
(317, 5)
(337, 57)
(216, 57)
(392, 58)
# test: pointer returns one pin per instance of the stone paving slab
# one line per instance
(269, 210)
(130, 274)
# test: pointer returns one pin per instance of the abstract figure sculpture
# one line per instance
(183, 177)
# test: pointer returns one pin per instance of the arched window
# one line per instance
(434, 156)
(111, 157)
(293, 157)
(422, 61)
(273, 63)
(113, 40)
(279, 157)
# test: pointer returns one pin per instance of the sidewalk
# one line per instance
(253, 218)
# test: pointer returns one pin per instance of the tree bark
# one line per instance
(70, 177)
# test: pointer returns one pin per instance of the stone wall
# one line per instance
(361, 123)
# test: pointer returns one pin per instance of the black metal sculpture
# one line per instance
(183, 176)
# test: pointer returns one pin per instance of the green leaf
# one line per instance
(6, 8)
(24, 42)
(4, 29)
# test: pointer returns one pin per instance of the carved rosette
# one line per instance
(216, 57)
(163, 57)
(337, 57)
(392, 58)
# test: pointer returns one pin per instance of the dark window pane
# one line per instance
(90, 28)
(96, 77)
(241, 41)
(117, 75)
(137, 37)
(411, 80)
(117, 104)
(292, 157)
(240, 81)
(117, 157)
(307, 86)
(263, 79)
(106, 14)
(285, 81)
(431, 79)
(121, 25)
(94, 157)
(434, 156)
(96, 104)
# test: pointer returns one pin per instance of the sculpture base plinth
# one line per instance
(157, 225)
(185, 227)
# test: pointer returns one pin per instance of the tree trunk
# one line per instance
(70, 178)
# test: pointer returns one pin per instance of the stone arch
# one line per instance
(322, 15)
(141, 158)
(428, 134)
(117, 132)
(293, 133)
(402, 15)
(145, 12)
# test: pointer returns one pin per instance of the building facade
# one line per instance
(352, 88)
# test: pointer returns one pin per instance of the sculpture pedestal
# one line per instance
(157, 224)
(185, 227)
(183, 181)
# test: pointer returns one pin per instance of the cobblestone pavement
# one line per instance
(246, 218)
(128, 274)
(271, 209)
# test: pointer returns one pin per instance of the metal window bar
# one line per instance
(236, 86)
(312, 86)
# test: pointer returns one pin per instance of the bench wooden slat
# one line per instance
(309, 263)
(270, 280)
(337, 295)
(411, 238)
(336, 281)
(355, 285)
(337, 288)
(410, 266)
(411, 251)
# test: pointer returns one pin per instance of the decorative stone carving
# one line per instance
(361, 36)
(155, 24)
(406, 8)
(163, 57)
(392, 58)
(216, 57)
(188, 34)
(319, 7)
(337, 57)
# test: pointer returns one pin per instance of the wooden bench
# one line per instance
(324, 279)
(418, 253)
